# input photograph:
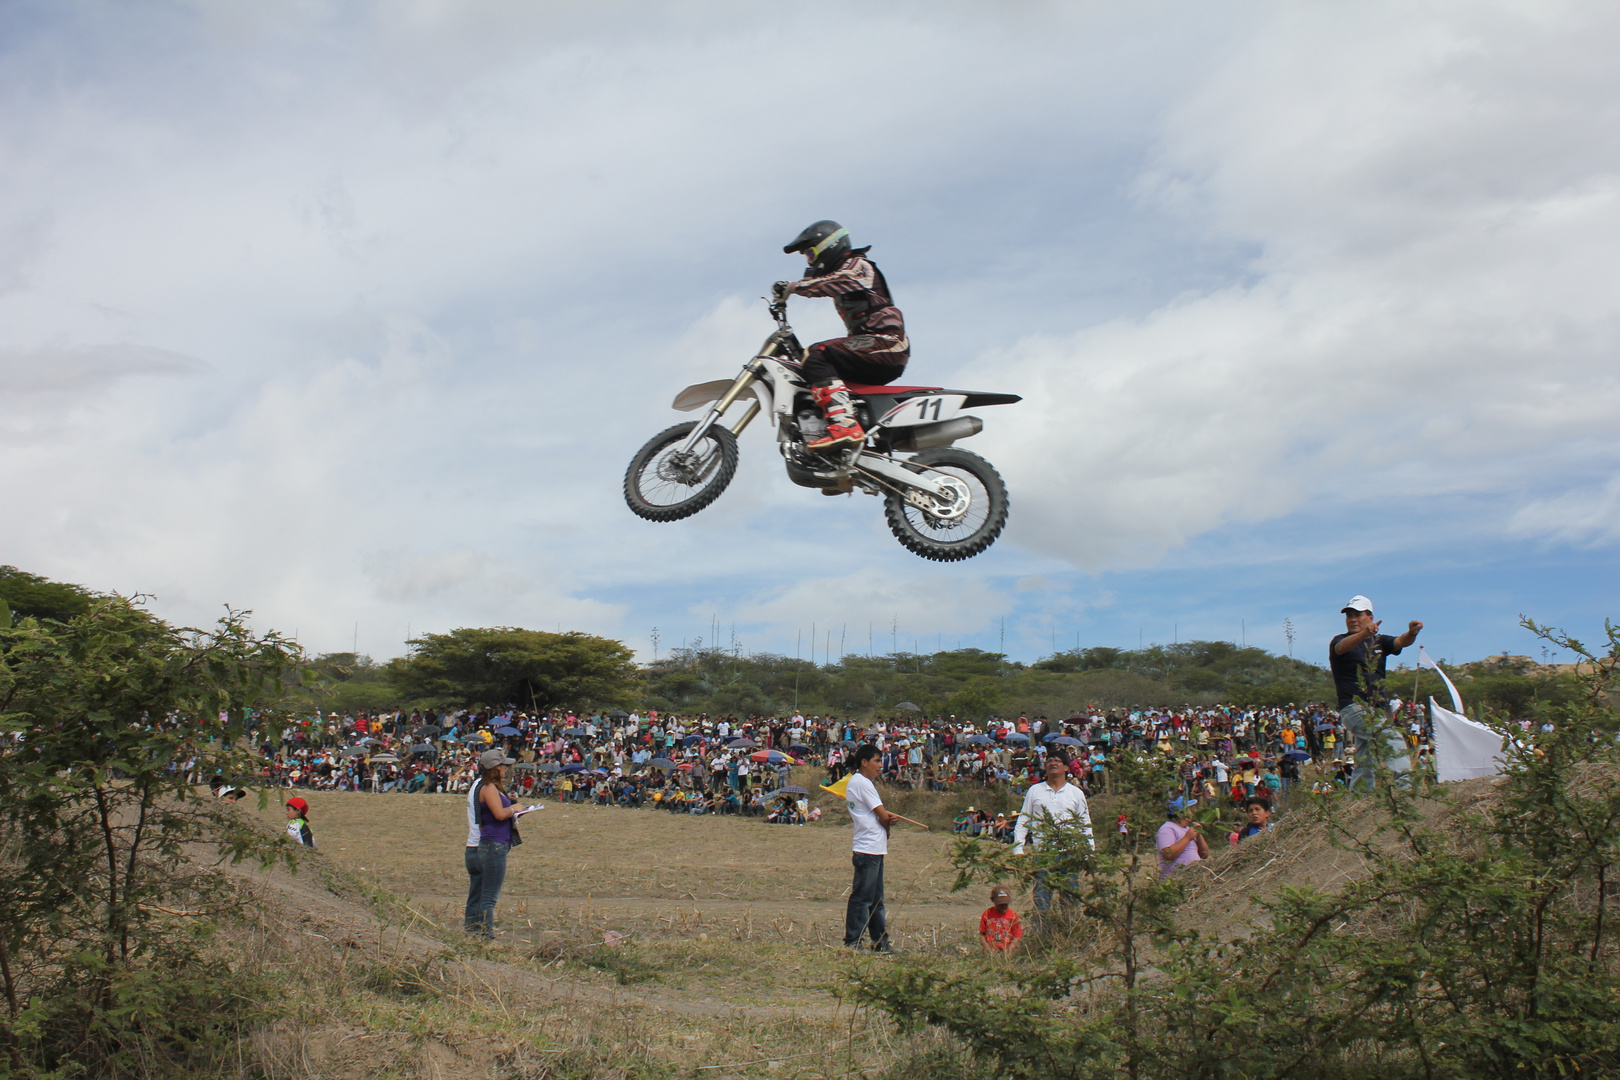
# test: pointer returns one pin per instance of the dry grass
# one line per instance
(726, 961)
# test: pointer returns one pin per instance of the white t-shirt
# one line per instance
(472, 815)
(862, 796)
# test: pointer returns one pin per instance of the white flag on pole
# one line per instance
(1463, 748)
(1456, 699)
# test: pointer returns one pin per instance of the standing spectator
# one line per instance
(1357, 658)
(865, 913)
(999, 927)
(298, 822)
(495, 814)
(1045, 805)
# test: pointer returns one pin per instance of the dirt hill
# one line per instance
(725, 961)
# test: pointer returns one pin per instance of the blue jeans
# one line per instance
(1354, 717)
(1043, 894)
(486, 873)
(865, 912)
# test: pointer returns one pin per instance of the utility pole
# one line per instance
(1288, 632)
(894, 635)
(655, 644)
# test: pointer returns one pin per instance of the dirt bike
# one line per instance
(942, 503)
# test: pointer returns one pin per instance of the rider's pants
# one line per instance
(876, 359)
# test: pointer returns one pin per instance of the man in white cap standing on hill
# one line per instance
(1357, 658)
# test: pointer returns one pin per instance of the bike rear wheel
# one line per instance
(665, 484)
(960, 537)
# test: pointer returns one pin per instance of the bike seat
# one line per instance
(864, 390)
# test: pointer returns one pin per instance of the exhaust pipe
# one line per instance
(928, 436)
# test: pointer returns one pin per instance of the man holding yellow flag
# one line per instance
(871, 843)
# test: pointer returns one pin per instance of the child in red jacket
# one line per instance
(999, 927)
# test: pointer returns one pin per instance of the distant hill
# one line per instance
(973, 685)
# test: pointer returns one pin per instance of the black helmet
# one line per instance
(827, 244)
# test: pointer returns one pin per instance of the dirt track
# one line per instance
(630, 870)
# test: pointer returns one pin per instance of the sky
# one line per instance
(352, 314)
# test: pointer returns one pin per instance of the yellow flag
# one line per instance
(839, 788)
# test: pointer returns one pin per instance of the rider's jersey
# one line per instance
(861, 296)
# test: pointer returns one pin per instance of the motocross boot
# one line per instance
(842, 427)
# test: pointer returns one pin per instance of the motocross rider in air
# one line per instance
(876, 349)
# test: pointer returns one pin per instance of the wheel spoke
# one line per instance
(666, 483)
(672, 477)
(950, 539)
(946, 530)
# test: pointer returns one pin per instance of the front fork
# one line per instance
(747, 378)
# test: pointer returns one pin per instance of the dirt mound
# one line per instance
(1225, 892)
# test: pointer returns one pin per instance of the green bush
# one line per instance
(1477, 944)
(106, 954)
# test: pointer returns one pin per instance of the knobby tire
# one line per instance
(939, 543)
(717, 452)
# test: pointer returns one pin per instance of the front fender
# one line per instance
(700, 394)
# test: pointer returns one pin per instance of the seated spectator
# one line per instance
(1259, 818)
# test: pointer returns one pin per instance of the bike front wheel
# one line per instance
(958, 530)
(665, 483)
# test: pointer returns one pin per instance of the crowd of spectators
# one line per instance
(726, 765)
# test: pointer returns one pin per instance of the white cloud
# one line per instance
(1436, 204)
(1584, 516)
(355, 312)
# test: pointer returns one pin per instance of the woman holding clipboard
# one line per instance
(492, 833)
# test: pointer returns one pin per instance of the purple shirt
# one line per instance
(1167, 836)
(491, 831)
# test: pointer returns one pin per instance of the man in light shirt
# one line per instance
(871, 843)
(1053, 802)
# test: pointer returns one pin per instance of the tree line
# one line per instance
(537, 670)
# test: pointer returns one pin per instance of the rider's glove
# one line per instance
(780, 290)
